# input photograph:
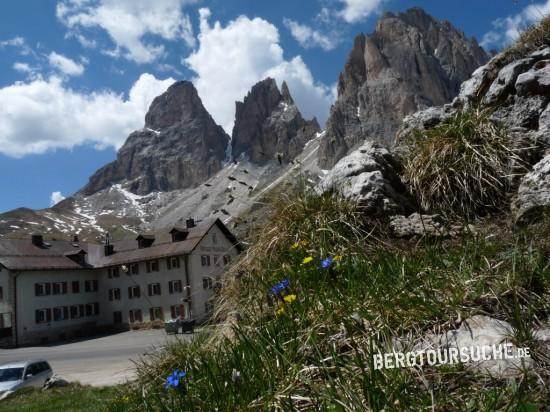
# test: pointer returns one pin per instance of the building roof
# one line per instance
(22, 254)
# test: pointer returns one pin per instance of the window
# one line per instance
(226, 260)
(43, 315)
(90, 285)
(214, 238)
(113, 272)
(134, 269)
(155, 314)
(153, 289)
(92, 309)
(176, 311)
(134, 292)
(59, 288)
(207, 283)
(60, 313)
(152, 266)
(117, 317)
(5, 320)
(74, 312)
(75, 286)
(135, 315)
(114, 294)
(205, 260)
(208, 307)
(173, 262)
(42, 289)
(175, 286)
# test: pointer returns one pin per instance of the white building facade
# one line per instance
(57, 290)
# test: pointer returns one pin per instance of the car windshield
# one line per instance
(11, 374)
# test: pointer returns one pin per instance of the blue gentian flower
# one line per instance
(279, 287)
(173, 380)
(325, 263)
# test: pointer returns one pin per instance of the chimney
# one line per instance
(109, 249)
(75, 239)
(189, 223)
(37, 240)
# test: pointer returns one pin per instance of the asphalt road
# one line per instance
(107, 360)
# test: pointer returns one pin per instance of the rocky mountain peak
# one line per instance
(179, 103)
(179, 147)
(286, 94)
(268, 125)
(410, 62)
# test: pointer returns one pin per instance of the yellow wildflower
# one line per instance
(307, 260)
(337, 258)
(280, 310)
(289, 298)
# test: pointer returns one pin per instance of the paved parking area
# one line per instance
(106, 360)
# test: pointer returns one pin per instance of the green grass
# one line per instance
(464, 166)
(317, 355)
(67, 399)
(530, 39)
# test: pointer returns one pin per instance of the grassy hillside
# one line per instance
(312, 348)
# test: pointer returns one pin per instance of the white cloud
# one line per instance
(17, 42)
(42, 115)
(357, 10)
(230, 60)
(127, 22)
(308, 37)
(22, 67)
(65, 65)
(506, 30)
(55, 198)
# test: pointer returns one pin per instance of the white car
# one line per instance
(17, 375)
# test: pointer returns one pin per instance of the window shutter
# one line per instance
(48, 315)
(65, 312)
(138, 292)
(148, 266)
(149, 289)
(37, 316)
(168, 263)
(151, 314)
(64, 288)
(37, 290)
(170, 287)
(48, 288)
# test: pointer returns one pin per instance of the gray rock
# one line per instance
(417, 225)
(533, 197)
(55, 382)
(369, 176)
(423, 120)
(521, 111)
(477, 332)
(180, 146)
(544, 119)
(411, 61)
(268, 125)
(506, 79)
(535, 81)
(541, 54)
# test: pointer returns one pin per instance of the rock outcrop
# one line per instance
(268, 125)
(518, 91)
(180, 146)
(533, 198)
(369, 175)
(410, 62)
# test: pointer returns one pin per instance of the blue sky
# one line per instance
(76, 76)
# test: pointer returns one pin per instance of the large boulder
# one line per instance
(369, 175)
(535, 81)
(533, 199)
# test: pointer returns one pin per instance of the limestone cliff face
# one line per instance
(410, 62)
(180, 146)
(268, 125)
